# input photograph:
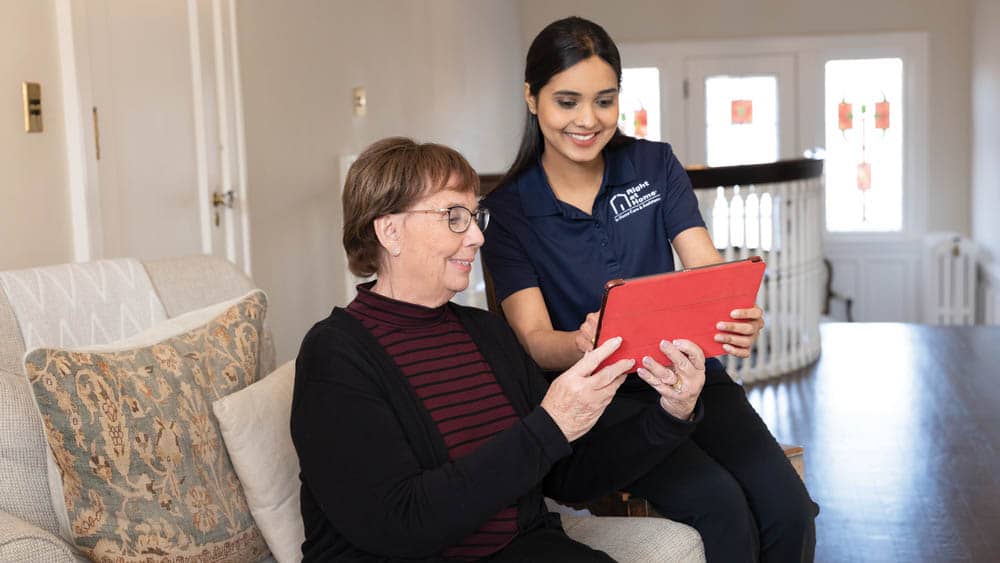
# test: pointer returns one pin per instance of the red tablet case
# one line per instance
(686, 304)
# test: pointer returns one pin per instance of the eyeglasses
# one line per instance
(460, 217)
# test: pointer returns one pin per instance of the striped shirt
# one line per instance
(456, 385)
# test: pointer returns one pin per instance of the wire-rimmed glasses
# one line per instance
(460, 217)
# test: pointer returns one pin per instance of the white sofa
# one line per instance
(99, 302)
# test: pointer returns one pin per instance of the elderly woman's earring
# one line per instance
(395, 251)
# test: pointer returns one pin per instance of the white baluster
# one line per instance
(766, 221)
(736, 219)
(784, 285)
(801, 273)
(752, 213)
(720, 219)
(817, 194)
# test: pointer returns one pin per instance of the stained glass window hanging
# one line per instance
(864, 145)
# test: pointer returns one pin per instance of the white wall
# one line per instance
(447, 71)
(986, 148)
(948, 25)
(986, 126)
(34, 199)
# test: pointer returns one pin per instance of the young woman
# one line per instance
(583, 204)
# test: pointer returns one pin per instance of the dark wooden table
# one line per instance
(901, 425)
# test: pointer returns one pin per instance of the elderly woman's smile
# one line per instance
(464, 265)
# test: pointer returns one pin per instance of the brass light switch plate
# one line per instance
(360, 101)
(32, 107)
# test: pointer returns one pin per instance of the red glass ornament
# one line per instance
(845, 115)
(640, 123)
(742, 112)
(864, 176)
(882, 115)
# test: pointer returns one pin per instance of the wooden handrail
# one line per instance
(746, 174)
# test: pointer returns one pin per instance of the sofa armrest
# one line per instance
(21, 541)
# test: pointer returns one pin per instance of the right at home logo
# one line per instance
(633, 200)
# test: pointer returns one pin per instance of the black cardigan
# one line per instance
(377, 483)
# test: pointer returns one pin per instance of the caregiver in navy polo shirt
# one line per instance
(645, 200)
(583, 204)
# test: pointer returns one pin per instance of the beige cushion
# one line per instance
(144, 472)
(637, 540)
(254, 424)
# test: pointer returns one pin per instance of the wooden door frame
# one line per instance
(85, 207)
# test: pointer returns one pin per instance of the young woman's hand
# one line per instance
(679, 384)
(738, 337)
(578, 397)
(585, 335)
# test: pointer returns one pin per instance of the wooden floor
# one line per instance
(901, 425)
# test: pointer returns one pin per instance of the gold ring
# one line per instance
(678, 387)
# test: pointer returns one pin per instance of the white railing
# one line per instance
(773, 211)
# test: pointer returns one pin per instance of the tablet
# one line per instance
(685, 304)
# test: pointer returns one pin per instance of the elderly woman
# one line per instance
(423, 429)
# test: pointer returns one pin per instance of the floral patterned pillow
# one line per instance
(145, 475)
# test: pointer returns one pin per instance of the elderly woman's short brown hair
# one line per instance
(388, 177)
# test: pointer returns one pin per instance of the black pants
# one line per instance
(731, 481)
(548, 545)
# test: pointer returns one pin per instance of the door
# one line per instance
(158, 84)
(740, 109)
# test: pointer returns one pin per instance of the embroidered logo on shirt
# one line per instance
(634, 199)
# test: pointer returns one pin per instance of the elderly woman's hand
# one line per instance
(738, 337)
(679, 384)
(578, 397)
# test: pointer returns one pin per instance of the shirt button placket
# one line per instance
(602, 235)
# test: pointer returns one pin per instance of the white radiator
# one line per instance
(989, 294)
(950, 277)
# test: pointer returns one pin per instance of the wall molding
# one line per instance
(884, 280)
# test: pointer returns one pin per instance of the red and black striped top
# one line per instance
(455, 384)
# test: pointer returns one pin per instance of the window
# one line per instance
(639, 103)
(864, 145)
(741, 119)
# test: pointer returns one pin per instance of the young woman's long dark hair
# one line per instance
(560, 45)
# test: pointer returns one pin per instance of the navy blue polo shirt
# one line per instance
(535, 240)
